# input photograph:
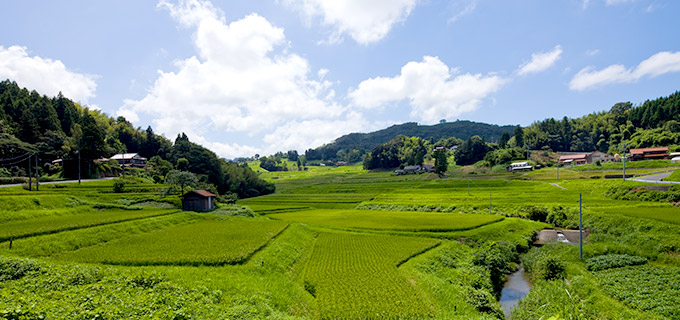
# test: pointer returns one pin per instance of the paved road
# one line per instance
(656, 178)
(52, 182)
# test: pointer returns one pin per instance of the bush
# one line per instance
(13, 268)
(542, 266)
(609, 261)
(119, 185)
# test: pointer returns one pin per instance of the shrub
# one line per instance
(542, 266)
(609, 261)
(119, 185)
(13, 268)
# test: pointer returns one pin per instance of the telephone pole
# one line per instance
(37, 174)
(30, 178)
(580, 226)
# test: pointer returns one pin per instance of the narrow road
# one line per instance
(53, 182)
(557, 185)
(656, 178)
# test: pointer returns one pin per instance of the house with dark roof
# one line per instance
(198, 200)
(648, 153)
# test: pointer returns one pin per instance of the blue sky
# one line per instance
(246, 77)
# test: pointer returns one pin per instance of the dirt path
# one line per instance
(557, 185)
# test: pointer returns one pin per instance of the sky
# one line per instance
(247, 77)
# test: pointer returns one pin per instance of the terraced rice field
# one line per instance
(208, 242)
(357, 276)
(56, 223)
(389, 220)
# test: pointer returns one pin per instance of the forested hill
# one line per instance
(58, 128)
(650, 124)
(366, 141)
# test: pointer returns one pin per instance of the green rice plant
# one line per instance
(675, 176)
(390, 220)
(56, 223)
(54, 244)
(208, 242)
(356, 276)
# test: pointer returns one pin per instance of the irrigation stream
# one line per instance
(515, 288)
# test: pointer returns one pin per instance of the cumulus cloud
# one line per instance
(296, 135)
(432, 89)
(656, 65)
(238, 82)
(541, 61)
(365, 21)
(45, 75)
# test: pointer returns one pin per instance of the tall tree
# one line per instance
(519, 136)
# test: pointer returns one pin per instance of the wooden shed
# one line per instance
(198, 200)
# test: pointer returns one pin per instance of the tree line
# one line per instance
(58, 128)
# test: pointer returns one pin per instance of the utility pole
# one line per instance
(30, 178)
(558, 171)
(489, 202)
(625, 146)
(580, 226)
(78, 161)
(37, 174)
(123, 155)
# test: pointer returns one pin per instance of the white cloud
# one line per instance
(592, 52)
(541, 61)
(299, 135)
(608, 2)
(238, 82)
(656, 65)
(365, 21)
(462, 8)
(45, 75)
(433, 90)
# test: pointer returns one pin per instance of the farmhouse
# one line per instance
(198, 200)
(576, 159)
(130, 160)
(649, 153)
(602, 157)
(520, 166)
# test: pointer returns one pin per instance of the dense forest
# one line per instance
(652, 123)
(58, 128)
(353, 146)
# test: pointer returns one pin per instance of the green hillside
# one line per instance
(366, 141)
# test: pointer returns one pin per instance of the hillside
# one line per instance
(367, 141)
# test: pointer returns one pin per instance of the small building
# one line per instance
(341, 163)
(576, 159)
(602, 157)
(130, 160)
(198, 200)
(520, 166)
(649, 153)
(417, 169)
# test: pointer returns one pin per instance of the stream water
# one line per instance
(516, 287)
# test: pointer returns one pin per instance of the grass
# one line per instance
(356, 276)
(332, 260)
(675, 176)
(389, 220)
(662, 213)
(56, 223)
(208, 242)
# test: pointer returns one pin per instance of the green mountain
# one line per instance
(364, 142)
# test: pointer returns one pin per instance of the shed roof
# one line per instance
(202, 193)
(121, 156)
(573, 156)
(643, 150)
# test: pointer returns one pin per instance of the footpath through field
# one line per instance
(60, 181)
